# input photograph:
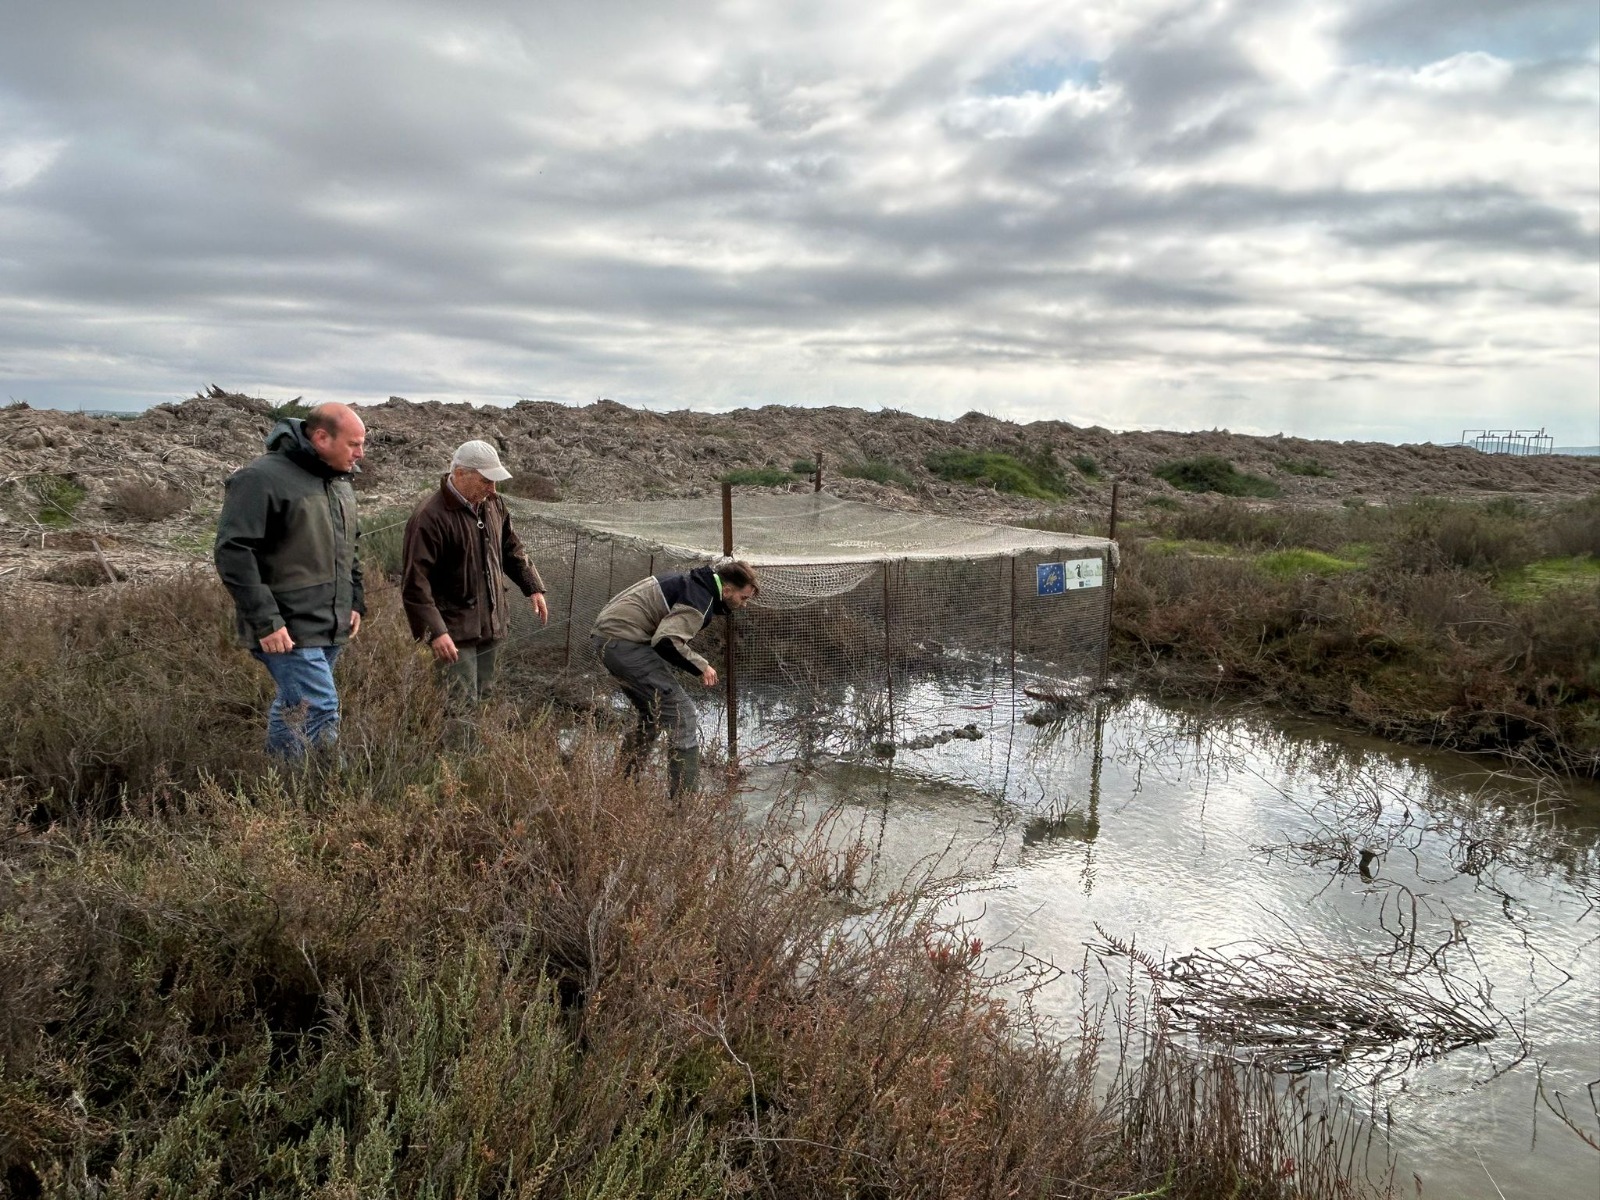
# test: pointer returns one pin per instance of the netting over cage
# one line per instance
(875, 630)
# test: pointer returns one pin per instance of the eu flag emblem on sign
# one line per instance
(1052, 579)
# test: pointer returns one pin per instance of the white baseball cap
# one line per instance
(480, 457)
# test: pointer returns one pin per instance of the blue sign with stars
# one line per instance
(1052, 579)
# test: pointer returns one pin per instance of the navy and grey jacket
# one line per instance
(665, 611)
(286, 544)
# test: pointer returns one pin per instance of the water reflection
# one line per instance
(1420, 927)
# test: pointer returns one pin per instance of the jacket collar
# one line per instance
(706, 577)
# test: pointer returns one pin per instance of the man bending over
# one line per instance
(642, 636)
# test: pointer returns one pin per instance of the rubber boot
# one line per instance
(683, 770)
(635, 749)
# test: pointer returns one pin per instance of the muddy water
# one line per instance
(1434, 920)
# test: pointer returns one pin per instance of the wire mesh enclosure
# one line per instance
(1521, 442)
(876, 632)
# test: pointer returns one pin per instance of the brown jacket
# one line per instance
(456, 565)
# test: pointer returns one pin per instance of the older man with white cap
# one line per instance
(460, 550)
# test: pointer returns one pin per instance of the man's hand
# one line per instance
(355, 623)
(709, 676)
(444, 648)
(540, 607)
(277, 642)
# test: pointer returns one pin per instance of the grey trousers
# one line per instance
(653, 689)
(469, 681)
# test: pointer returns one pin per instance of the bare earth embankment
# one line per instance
(607, 451)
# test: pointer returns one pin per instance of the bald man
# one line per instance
(286, 551)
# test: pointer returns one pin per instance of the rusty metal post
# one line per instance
(1105, 634)
(729, 670)
(1110, 584)
(816, 476)
(572, 596)
(1013, 629)
(888, 650)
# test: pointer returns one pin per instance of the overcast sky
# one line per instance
(1334, 218)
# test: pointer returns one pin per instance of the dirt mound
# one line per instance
(60, 469)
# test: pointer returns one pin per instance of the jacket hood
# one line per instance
(287, 433)
(288, 437)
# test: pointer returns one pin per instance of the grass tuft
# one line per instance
(878, 472)
(1039, 479)
(56, 498)
(1549, 575)
(1288, 563)
(1209, 473)
(140, 501)
(758, 477)
(1303, 466)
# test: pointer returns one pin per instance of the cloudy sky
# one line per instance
(1336, 218)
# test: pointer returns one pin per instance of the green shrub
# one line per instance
(290, 409)
(1209, 473)
(878, 472)
(1303, 466)
(507, 969)
(1038, 480)
(1087, 467)
(1236, 524)
(1442, 534)
(758, 477)
(57, 498)
(1574, 528)
(803, 466)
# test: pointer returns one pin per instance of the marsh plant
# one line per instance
(503, 969)
(1447, 623)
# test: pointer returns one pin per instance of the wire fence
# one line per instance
(864, 659)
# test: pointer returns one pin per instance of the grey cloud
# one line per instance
(1417, 31)
(296, 183)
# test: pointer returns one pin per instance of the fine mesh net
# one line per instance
(876, 632)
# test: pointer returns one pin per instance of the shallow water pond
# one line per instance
(1421, 929)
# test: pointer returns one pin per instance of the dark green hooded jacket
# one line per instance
(286, 544)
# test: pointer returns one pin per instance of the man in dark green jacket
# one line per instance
(286, 550)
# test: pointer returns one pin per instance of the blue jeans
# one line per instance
(305, 712)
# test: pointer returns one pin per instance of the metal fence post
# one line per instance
(888, 649)
(729, 659)
(572, 595)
